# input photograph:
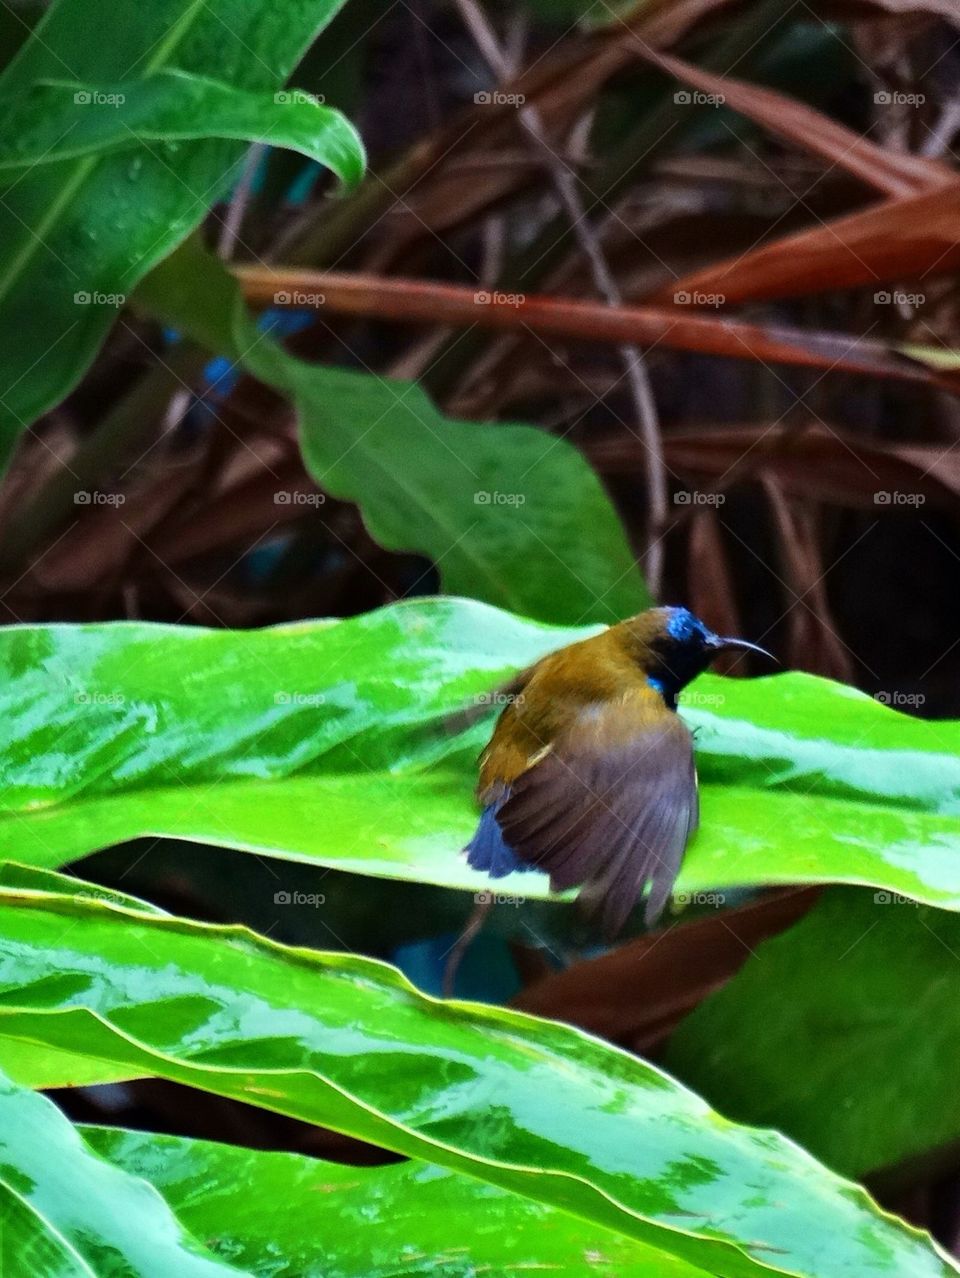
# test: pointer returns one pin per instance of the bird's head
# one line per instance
(673, 647)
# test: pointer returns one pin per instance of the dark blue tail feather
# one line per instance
(487, 850)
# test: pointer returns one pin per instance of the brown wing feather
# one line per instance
(610, 807)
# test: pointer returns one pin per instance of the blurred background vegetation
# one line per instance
(819, 202)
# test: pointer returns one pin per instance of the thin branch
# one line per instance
(682, 328)
(635, 369)
(239, 201)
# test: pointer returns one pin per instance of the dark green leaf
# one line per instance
(813, 1034)
(488, 503)
(58, 120)
(95, 226)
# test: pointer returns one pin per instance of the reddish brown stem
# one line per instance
(681, 327)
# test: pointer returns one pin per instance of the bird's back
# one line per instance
(565, 692)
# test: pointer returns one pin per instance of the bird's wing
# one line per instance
(609, 806)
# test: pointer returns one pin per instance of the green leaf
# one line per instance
(488, 503)
(863, 983)
(96, 225)
(323, 741)
(537, 1108)
(324, 1220)
(60, 120)
(66, 1212)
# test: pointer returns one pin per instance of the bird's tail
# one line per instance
(488, 850)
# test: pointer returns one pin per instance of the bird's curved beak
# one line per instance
(718, 644)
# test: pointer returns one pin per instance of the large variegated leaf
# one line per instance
(324, 1220)
(536, 1108)
(325, 742)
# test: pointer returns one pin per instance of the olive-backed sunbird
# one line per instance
(589, 775)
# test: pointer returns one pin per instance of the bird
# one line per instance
(589, 775)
